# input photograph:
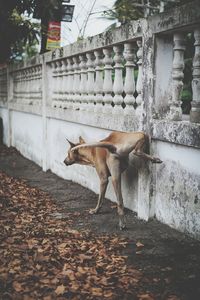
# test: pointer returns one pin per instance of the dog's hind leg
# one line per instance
(139, 151)
(116, 181)
(115, 170)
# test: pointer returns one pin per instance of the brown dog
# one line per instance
(110, 158)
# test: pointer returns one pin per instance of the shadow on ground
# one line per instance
(170, 260)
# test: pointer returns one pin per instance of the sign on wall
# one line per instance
(53, 35)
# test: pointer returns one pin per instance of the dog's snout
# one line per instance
(65, 162)
(68, 162)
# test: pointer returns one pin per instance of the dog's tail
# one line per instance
(106, 145)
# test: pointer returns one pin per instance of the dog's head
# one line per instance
(74, 157)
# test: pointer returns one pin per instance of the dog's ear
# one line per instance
(71, 144)
(81, 140)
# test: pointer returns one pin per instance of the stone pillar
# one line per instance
(175, 112)
(118, 80)
(54, 75)
(76, 84)
(195, 110)
(99, 80)
(90, 80)
(139, 79)
(64, 81)
(129, 84)
(70, 82)
(83, 82)
(107, 83)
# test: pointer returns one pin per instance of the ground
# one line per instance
(52, 248)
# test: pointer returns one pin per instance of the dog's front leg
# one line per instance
(103, 187)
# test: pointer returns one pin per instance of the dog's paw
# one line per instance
(122, 224)
(156, 160)
(93, 211)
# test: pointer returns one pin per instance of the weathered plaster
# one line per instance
(184, 132)
(27, 135)
(177, 195)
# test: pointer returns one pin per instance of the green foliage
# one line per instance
(127, 10)
(17, 31)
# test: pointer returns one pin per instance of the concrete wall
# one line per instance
(26, 135)
(5, 117)
(177, 192)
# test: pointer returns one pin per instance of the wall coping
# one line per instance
(177, 132)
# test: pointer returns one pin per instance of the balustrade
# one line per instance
(27, 85)
(101, 77)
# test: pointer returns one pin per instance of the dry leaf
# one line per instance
(60, 290)
(139, 244)
(17, 286)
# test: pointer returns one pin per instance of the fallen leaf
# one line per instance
(139, 244)
(60, 290)
(17, 286)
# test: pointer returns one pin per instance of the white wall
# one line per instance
(5, 117)
(178, 187)
(27, 135)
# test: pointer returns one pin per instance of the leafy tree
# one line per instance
(126, 10)
(14, 27)
(17, 27)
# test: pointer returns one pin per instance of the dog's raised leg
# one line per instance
(147, 156)
(103, 187)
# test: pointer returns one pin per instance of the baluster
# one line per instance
(59, 86)
(195, 110)
(58, 83)
(23, 86)
(39, 85)
(70, 82)
(64, 82)
(83, 82)
(20, 86)
(107, 83)
(29, 85)
(118, 80)
(139, 78)
(15, 86)
(175, 112)
(90, 82)
(76, 85)
(33, 85)
(54, 75)
(99, 80)
(129, 84)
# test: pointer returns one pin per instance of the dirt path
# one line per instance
(168, 260)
